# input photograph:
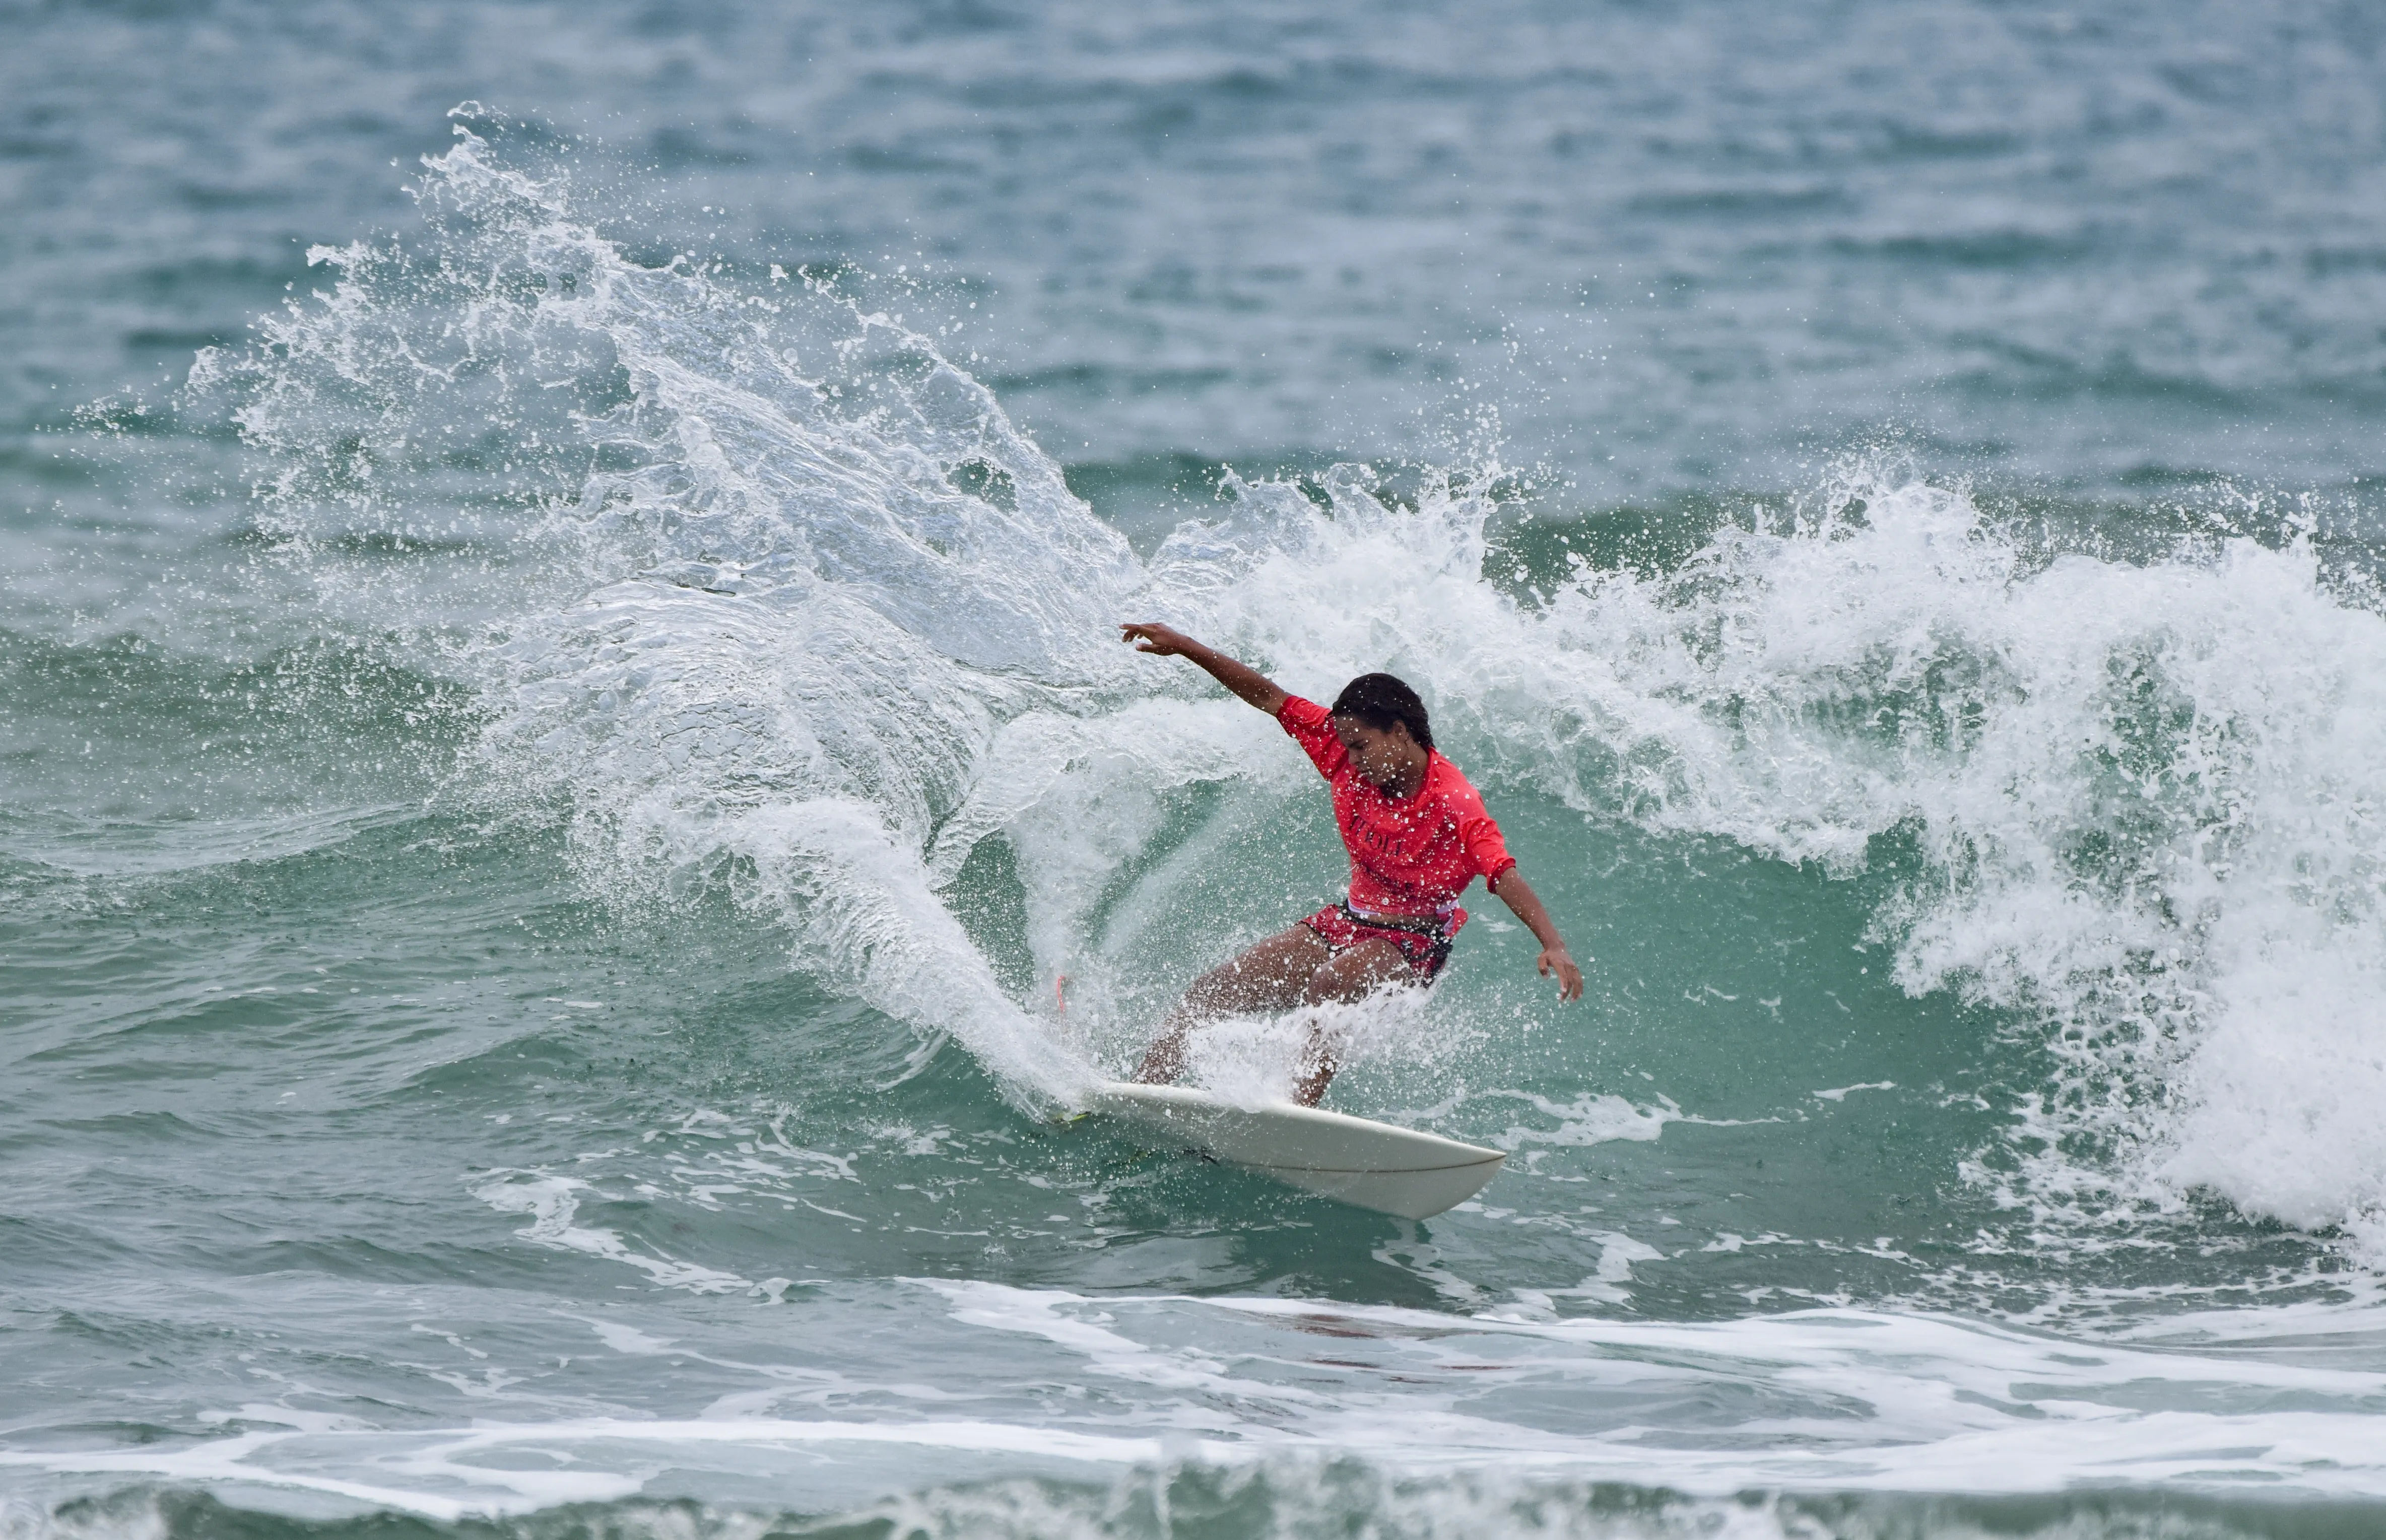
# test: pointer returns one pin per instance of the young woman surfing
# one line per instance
(1417, 836)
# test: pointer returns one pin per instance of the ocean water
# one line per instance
(573, 822)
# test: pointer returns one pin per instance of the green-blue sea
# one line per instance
(574, 828)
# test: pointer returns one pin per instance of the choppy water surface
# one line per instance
(560, 732)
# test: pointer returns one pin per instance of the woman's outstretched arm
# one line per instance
(1240, 678)
(1518, 895)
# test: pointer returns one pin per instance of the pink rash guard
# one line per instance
(1410, 857)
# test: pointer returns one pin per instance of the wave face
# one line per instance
(825, 634)
(574, 828)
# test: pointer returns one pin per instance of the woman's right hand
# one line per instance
(1152, 637)
(1247, 682)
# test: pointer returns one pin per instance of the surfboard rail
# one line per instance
(1391, 1170)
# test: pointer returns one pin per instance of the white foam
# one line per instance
(553, 1203)
(1594, 1118)
(1862, 1400)
(1818, 1401)
(1840, 1093)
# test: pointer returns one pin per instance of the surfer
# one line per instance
(1417, 834)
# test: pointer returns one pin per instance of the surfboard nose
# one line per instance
(1404, 1171)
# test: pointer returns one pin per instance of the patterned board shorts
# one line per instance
(1343, 928)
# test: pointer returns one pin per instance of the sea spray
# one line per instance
(757, 621)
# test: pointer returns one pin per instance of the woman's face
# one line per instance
(1383, 756)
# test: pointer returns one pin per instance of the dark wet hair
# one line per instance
(1379, 700)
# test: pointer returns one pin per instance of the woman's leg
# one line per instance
(1272, 976)
(1350, 974)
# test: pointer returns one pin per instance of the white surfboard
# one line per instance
(1392, 1170)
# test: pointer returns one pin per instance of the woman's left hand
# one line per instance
(1152, 637)
(1558, 960)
